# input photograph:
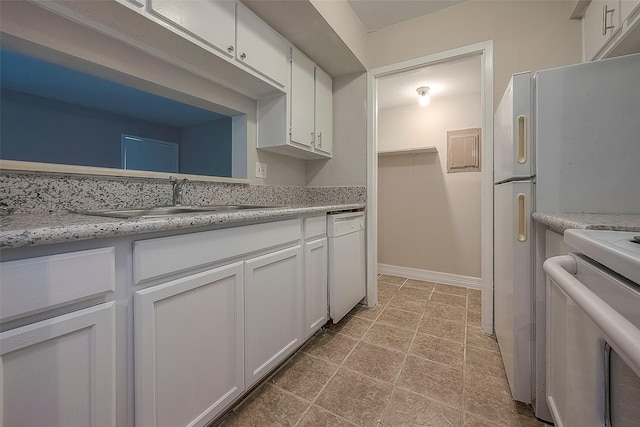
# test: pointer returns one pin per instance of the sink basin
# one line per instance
(167, 210)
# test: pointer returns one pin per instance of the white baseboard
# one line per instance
(431, 276)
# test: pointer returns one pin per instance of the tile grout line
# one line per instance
(404, 361)
(393, 384)
(464, 360)
(313, 402)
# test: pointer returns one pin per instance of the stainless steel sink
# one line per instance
(167, 210)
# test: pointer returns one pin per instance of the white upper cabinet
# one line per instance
(260, 47)
(610, 28)
(601, 22)
(324, 112)
(299, 124)
(212, 22)
(231, 30)
(302, 94)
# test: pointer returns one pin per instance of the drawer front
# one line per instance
(315, 227)
(35, 284)
(166, 255)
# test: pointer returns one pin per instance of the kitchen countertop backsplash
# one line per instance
(22, 193)
(36, 207)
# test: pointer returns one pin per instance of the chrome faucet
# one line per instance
(177, 186)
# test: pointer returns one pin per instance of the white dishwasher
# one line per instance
(347, 278)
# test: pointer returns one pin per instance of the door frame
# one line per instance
(485, 50)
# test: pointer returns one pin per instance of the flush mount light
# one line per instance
(423, 91)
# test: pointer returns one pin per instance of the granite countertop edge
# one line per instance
(49, 228)
(560, 222)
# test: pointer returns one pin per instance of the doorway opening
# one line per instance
(424, 222)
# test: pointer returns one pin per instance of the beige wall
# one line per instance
(349, 163)
(428, 219)
(528, 35)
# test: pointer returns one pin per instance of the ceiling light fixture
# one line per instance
(423, 91)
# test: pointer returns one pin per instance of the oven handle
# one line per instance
(622, 335)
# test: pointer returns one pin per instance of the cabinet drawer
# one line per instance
(315, 227)
(34, 284)
(159, 257)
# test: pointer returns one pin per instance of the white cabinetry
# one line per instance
(315, 274)
(231, 30)
(301, 92)
(60, 371)
(601, 23)
(57, 363)
(221, 309)
(299, 124)
(210, 21)
(610, 28)
(260, 47)
(189, 347)
(324, 112)
(273, 301)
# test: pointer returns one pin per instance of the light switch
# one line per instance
(261, 170)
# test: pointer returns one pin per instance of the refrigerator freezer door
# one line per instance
(513, 140)
(514, 283)
(587, 137)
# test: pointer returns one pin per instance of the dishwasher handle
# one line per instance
(623, 335)
(339, 225)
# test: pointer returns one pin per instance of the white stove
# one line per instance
(616, 250)
(593, 330)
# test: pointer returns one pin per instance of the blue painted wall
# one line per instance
(40, 129)
(205, 149)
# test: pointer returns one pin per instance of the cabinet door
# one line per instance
(273, 304)
(261, 48)
(189, 347)
(315, 285)
(324, 112)
(302, 99)
(601, 23)
(211, 21)
(60, 371)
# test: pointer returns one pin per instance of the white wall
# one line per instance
(528, 35)
(346, 24)
(428, 219)
(349, 163)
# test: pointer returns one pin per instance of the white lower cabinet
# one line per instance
(273, 301)
(189, 347)
(60, 371)
(315, 285)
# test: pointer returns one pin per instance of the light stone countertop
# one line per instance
(47, 228)
(560, 222)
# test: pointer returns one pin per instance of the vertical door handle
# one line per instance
(522, 217)
(522, 139)
(605, 13)
(319, 144)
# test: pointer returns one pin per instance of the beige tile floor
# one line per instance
(417, 359)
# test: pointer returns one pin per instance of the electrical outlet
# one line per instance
(261, 170)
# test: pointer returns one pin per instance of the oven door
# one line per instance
(593, 344)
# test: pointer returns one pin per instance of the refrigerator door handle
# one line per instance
(522, 218)
(522, 139)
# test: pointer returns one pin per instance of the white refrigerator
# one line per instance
(566, 140)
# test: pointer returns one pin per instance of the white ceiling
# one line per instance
(452, 78)
(378, 14)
